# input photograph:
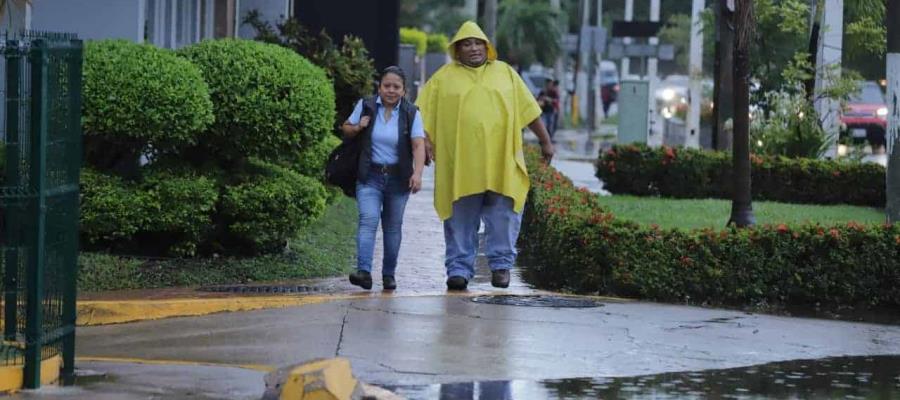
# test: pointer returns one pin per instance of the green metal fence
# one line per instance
(39, 200)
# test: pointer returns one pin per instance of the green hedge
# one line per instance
(691, 173)
(269, 102)
(270, 206)
(571, 242)
(437, 43)
(167, 213)
(138, 99)
(416, 38)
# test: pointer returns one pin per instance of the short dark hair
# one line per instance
(393, 69)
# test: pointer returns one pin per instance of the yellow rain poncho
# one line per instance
(474, 117)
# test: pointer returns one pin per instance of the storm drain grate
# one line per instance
(538, 301)
(262, 289)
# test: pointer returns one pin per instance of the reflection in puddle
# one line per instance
(832, 378)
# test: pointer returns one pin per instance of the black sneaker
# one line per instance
(389, 282)
(457, 283)
(500, 278)
(362, 279)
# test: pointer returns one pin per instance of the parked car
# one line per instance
(865, 117)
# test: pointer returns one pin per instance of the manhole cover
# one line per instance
(261, 289)
(538, 301)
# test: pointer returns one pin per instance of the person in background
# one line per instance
(390, 168)
(548, 99)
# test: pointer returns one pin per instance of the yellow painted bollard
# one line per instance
(328, 379)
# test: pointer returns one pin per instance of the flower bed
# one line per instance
(570, 242)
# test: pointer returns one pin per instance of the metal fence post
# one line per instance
(13, 179)
(69, 314)
(34, 329)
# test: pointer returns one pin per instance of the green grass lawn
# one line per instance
(713, 213)
(325, 248)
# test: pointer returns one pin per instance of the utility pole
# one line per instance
(598, 101)
(560, 65)
(741, 206)
(723, 106)
(828, 69)
(626, 62)
(581, 77)
(692, 139)
(893, 92)
(490, 19)
(655, 124)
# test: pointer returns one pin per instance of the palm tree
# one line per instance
(528, 31)
(741, 207)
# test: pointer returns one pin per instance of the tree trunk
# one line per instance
(741, 207)
(723, 98)
(893, 103)
(490, 19)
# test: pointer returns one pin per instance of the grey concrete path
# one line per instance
(441, 339)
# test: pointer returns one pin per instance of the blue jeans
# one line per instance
(381, 197)
(501, 226)
(549, 119)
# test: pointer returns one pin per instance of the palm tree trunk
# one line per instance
(741, 207)
(490, 19)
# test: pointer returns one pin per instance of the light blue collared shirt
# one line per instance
(385, 133)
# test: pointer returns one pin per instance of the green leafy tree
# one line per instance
(348, 65)
(527, 31)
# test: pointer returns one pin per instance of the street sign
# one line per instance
(618, 50)
(636, 29)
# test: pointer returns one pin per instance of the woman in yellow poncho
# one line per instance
(474, 111)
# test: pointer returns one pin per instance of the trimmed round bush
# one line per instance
(179, 213)
(139, 98)
(269, 207)
(167, 214)
(269, 102)
(311, 161)
(110, 209)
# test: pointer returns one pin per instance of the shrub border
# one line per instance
(570, 242)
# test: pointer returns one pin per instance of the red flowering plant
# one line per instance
(571, 242)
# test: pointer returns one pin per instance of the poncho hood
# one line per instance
(468, 30)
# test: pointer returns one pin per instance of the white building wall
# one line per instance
(91, 19)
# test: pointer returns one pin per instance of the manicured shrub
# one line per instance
(110, 209)
(348, 65)
(167, 214)
(437, 43)
(270, 206)
(416, 38)
(569, 241)
(269, 102)
(180, 210)
(691, 173)
(139, 99)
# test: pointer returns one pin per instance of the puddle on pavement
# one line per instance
(875, 377)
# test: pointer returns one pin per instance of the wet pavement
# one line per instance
(832, 378)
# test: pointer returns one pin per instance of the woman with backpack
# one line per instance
(391, 161)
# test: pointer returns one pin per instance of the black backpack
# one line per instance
(342, 166)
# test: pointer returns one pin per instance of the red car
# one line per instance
(865, 117)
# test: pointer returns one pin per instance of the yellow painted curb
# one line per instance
(12, 377)
(255, 367)
(102, 312)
